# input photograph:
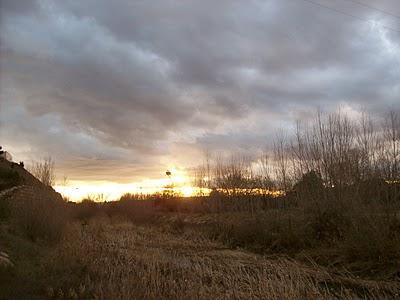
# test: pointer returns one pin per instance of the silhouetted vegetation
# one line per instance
(44, 171)
(9, 178)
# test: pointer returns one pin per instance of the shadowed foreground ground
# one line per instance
(120, 260)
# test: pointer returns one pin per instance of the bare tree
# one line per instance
(266, 171)
(281, 159)
(44, 171)
(366, 143)
(391, 144)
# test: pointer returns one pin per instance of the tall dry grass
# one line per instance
(124, 261)
(38, 214)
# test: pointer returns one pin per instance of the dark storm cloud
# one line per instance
(18, 7)
(127, 81)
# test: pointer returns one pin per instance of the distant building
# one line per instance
(5, 155)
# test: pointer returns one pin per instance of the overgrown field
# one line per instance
(181, 256)
(116, 259)
(215, 247)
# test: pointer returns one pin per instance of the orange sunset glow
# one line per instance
(179, 182)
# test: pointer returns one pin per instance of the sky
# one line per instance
(119, 91)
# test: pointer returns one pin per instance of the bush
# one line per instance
(39, 218)
(263, 233)
(9, 179)
(248, 234)
(328, 226)
(133, 208)
(85, 210)
(373, 238)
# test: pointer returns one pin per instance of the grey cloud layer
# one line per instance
(127, 81)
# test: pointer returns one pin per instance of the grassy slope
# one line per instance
(23, 280)
(25, 177)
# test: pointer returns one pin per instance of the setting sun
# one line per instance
(177, 181)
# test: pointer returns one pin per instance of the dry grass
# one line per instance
(365, 238)
(38, 214)
(118, 260)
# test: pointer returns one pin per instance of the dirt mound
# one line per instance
(18, 173)
(13, 175)
(31, 192)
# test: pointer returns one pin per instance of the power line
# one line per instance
(374, 8)
(349, 15)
